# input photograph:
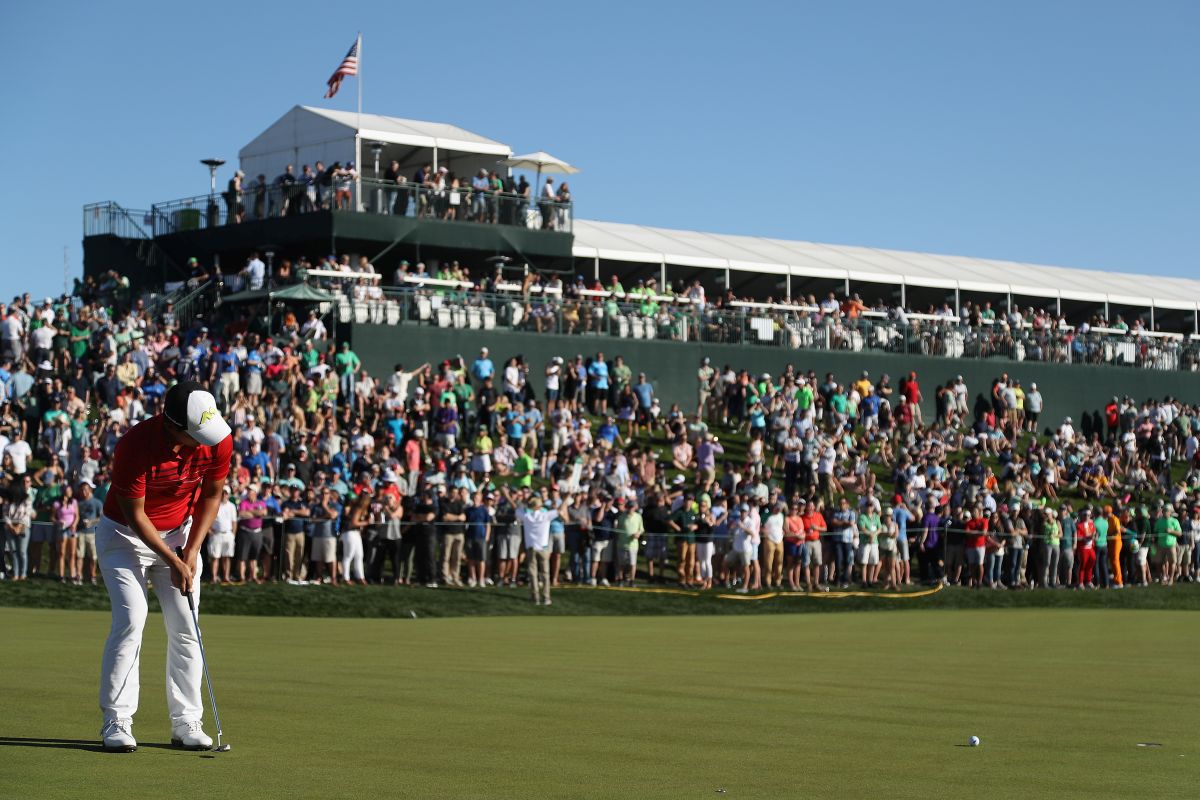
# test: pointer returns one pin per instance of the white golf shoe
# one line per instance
(117, 736)
(190, 735)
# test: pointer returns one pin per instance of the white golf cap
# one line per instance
(190, 406)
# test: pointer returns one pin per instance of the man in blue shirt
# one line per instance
(5, 377)
(482, 368)
(514, 426)
(325, 515)
(254, 371)
(608, 432)
(844, 523)
(903, 515)
(598, 385)
(643, 390)
(226, 364)
(868, 410)
(533, 427)
(257, 458)
(479, 523)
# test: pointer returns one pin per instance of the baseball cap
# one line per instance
(189, 406)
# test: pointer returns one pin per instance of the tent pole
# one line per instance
(358, 204)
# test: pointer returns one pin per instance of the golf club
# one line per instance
(220, 748)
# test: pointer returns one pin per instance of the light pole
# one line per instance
(376, 149)
(214, 212)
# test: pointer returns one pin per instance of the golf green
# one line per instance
(872, 704)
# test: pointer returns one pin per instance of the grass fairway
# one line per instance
(806, 706)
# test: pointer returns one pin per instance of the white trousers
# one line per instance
(704, 555)
(352, 556)
(127, 564)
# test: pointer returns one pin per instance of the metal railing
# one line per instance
(257, 202)
(465, 204)
(109, 218)
(632, 317)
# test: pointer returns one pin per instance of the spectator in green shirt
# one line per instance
(523, 469)
(1166, 534)
(630, 528)
(346, 364)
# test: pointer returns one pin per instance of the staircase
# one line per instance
(135, 244)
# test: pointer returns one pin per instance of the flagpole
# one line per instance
(358, 131)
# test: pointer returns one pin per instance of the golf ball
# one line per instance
(412, 614)
(974, 741)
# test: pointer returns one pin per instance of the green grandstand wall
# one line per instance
(671, 366)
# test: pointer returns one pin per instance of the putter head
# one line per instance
(222, 748)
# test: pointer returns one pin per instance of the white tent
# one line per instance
(306, 135)
(614, 241)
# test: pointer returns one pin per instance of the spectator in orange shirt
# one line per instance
(811, 556)
(853, 307)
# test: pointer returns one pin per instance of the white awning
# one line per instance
(865, 264)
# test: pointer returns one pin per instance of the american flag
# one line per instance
(349, 66)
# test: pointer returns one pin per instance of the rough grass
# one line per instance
(282, 600)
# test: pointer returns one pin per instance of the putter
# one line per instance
(220, 748)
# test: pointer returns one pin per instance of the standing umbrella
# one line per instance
(542, 162)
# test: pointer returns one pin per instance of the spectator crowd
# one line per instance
(488, 196)
(472, 473)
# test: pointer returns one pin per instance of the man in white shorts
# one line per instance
(168, 473)
(222, 540)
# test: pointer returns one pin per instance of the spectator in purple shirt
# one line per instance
(447, 424)
(250, 533)
(929, 547)
(706, 461)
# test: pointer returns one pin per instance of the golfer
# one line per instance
(167, 477)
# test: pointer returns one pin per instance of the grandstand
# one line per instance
(754, 267)
(699, 290)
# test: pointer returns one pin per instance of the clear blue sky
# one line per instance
(1053, 132)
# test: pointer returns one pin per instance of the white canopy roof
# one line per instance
(307, 135)
(623, 242)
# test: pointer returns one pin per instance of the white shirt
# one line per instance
(226, 518)
(399, 382)
(313, 329)
(751, 525)
(772, 527)
(19, 451)
(11, 326)
(256, 270)
(42, 337)
(536, 525)
(512, 379)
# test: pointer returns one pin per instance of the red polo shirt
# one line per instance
(976, 532)
(145, 466)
